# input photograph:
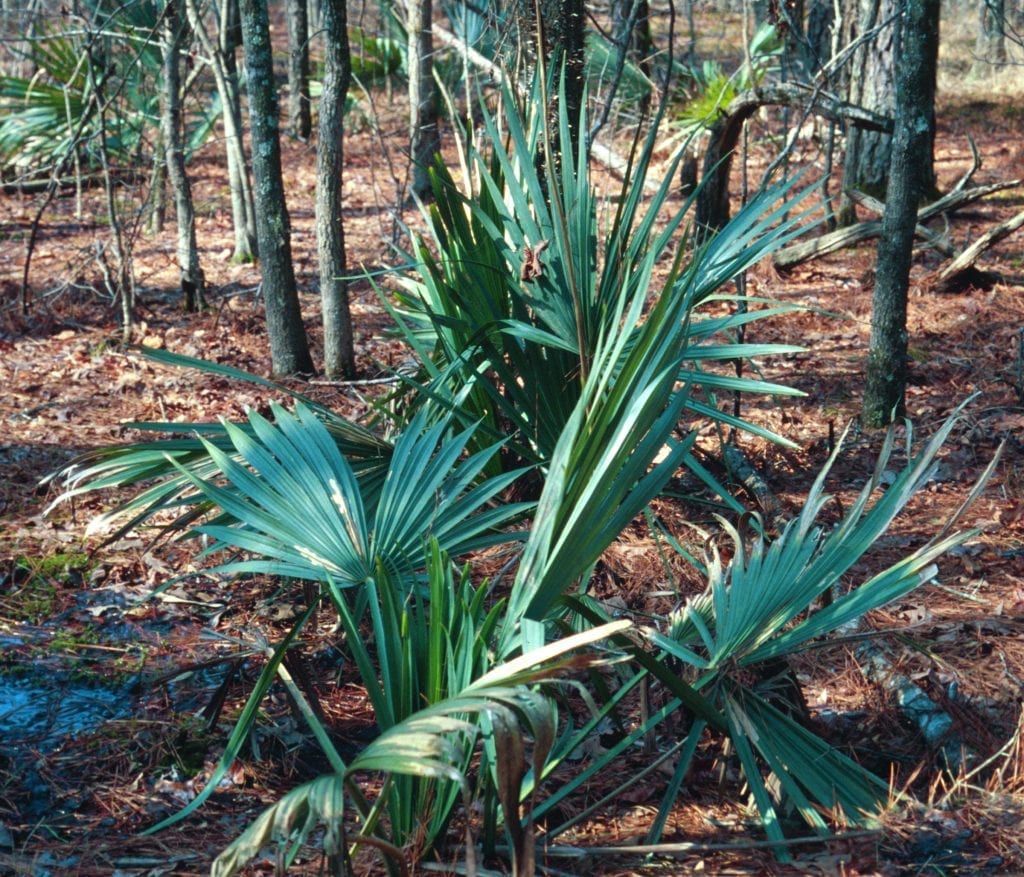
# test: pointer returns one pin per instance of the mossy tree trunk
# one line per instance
(289, 347)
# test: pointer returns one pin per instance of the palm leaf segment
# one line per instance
(170, 467)
(295, 504)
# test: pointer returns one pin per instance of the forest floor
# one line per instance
(99, 739)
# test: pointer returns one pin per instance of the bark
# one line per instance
(298, 70)
(157, 186)
(424, 140)
(556, 45)
(289, 348)
(871, 85)
(339, 355)
(222, 62)
(887, 353)
(190, 271)
(820, 20)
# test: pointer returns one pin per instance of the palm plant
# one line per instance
(292, 503)
(545, 346)
(757, 610)
(507, 317)
(436, 744)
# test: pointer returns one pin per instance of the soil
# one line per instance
(77, 786)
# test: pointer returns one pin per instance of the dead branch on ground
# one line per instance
(862, 231)
(953, 270)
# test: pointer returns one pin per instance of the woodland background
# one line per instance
(135, 681)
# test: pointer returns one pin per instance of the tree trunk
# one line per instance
(887, 354)
(990, 47)
(298, 70)
(225, 75)
(556, 44)
(289, 348)
(339, 355)
(190, 272)
(713, 199)
(424, 140)
(871, 85)
(563, 35)
(157, 187)
(631, 30)
(820, 18)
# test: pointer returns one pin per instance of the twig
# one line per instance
(620, 67)
(687, 848)
(357, 382)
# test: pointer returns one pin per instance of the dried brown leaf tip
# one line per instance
(532, 267)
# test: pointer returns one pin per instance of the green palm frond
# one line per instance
(436, 743)
(511, 353)
(294, 503)
(747, 613)
(760, 608)
(167, 469)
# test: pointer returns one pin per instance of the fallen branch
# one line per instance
(965, 261)
(468, 53)
(927, 235)
(862, 231)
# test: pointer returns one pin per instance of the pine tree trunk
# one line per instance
(190, 272)
(289, 348)
(557, 43)
(887, 354)
(872, 86)
(339, 355)
(298, 70)
(424, 140)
